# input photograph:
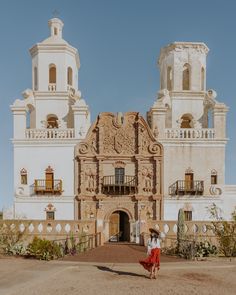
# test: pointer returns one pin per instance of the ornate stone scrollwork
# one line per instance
(154, 148)
(83, 148)
(20, 191)
(214, 190)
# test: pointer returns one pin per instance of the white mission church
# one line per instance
(66, 168)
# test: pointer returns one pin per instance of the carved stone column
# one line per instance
(100, 175)
(158, 174)
(139, 176)
(81, 177)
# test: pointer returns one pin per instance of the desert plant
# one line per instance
(43, 249)
(17, 249)
(82, 244)
(180, 230)
(205, 249)
(225, 231)
(10, 236)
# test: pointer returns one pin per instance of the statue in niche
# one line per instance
(179, 122)
(156, 132)
(94, 145)
(90, 180)
(147, 179)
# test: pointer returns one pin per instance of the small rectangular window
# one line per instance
(50, 215)
(213, 179)
(188, 215)
(24, 179)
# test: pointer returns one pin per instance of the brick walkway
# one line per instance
(117, 253)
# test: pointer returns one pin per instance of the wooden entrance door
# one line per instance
(188, 181)
(114, 227)
(49, 181)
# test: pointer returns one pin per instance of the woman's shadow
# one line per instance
(119, 272)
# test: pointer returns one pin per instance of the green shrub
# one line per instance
(205, 249)
(82, 244)
(225, 231)
(18, 249)
(43, 249)
(10, 236)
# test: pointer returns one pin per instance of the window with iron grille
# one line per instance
(188, 215)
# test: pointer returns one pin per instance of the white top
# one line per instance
(155, 243)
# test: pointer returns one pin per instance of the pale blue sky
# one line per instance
(119, 42)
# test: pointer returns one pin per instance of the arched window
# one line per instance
(213, 177)
(186, 77)
(186, 121)
(52, 74)
(35, 78)
(169, 78)
(23, 175)
(52, 121)
(202, 79)
(69, 76)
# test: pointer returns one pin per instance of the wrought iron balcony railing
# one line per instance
(119, 184)
(184, 187)
(43, 186)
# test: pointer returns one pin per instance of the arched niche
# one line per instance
(186, 76)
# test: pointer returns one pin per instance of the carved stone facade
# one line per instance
(123, 144)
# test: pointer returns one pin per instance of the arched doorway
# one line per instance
(119, 227)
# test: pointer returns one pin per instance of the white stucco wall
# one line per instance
(35, 158)
(201, 157)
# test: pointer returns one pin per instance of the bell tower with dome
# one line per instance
(49, 121)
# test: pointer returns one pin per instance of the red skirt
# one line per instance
(152, 259)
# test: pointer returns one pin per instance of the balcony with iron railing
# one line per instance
(184, 187)
(44, 187)
(119, 184)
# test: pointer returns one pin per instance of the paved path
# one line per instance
(117, 253)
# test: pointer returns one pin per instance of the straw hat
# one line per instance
(155, 231)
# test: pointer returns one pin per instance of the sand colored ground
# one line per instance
(30, 277)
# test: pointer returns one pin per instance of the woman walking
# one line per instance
(152, 262)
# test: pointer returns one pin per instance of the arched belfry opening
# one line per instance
(119, 227)
(52, 74)
(186, 121)
(169, 78)
(186, 77)
(202, 79)
(52, 121)
(69, 76)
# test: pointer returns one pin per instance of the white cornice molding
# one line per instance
(45, 142)
(55, 48)
(181, 46)
(190, 142)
